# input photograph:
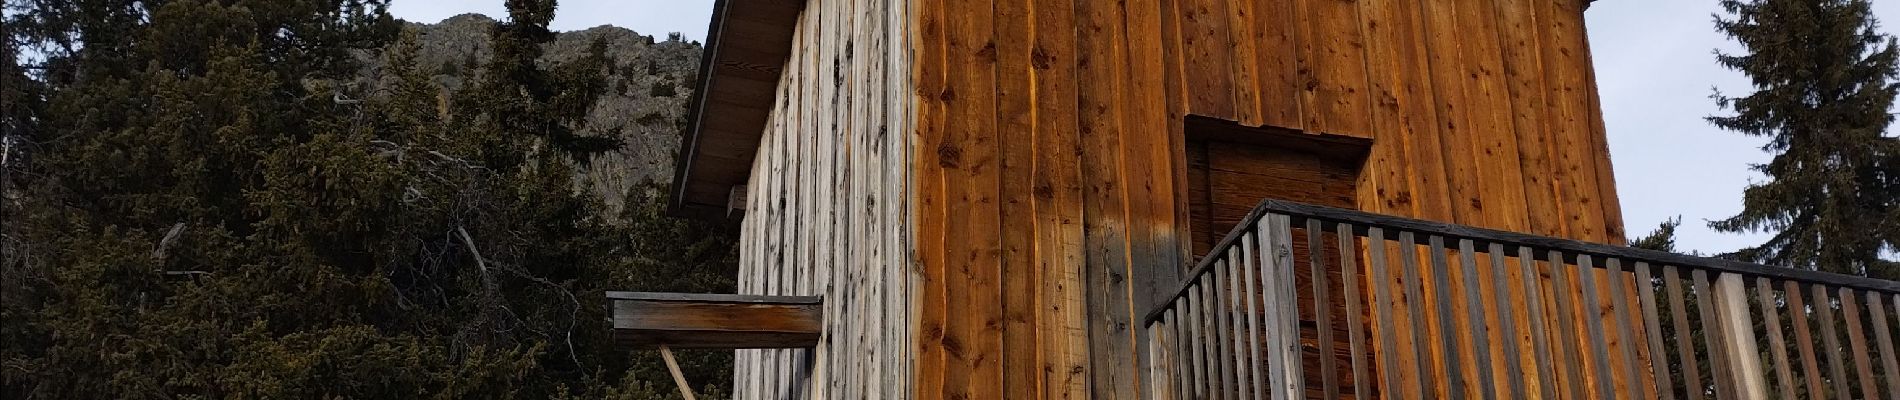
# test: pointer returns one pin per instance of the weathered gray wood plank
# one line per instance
(1414, 295)
(1322, 309)
(1198, 331)
(1475, 309)
(1857, 343)
(1284, 297)
(1253, 275)
(1382, 293)
(1658, 355)
(1564, 340)
(1777, 344)
(1884, 338)
(1714, 341)
(1222, 339)
(1593, 319)
(1348, 253)
(1540, 341)
(1803, 338)
(1237, 308)
(1448, 331)
(1830, 342)
(1738, 334)
(1685, 344)
(1507, 322)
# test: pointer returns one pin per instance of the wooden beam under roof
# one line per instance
(715, 321)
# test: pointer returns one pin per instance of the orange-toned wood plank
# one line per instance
(1524, 75)
(1147, 160)
(1101, 59)
(931, 91)
(1175, 85)
(1612, 210)
(1210, 49)
(1566, 71)
(1606, 177)
(1444, 36)
(1332, 52)
(1412, 173)
(1565, 74)
(1492, 140)
(1065, 367)
(1276, 47)
(972, 338)
(1246, 76)
(1015, 106)
(1492, 137)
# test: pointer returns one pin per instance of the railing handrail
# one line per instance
(1511, 241)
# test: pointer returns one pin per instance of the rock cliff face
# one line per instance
(650, 80)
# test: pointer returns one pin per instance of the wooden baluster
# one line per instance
(1284, 297)
(1803, 338)
(1197, 337)
(1475, 310)
(1658, 355)
(1250, 271)
(1884, 338)
(1540, 334)
(1507, 322)
(1422, 367)
(1685, 341)
(1712, 335)
(1625, 329)
(1350, 274)
(1322, 310)
(1223, 329)
(1857, 343)
(1382, 293)
(1447, 320)
(1777, 344)
(1830, 343)
(1738, 337)
(1593, 318)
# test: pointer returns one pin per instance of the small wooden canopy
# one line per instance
(746, 47)
(715, 321)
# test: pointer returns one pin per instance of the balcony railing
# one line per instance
(1305, 301)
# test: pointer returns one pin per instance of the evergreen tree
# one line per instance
(219, 205)
(1661, 239)
(1824, 83)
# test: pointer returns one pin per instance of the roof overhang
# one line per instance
(746, 48)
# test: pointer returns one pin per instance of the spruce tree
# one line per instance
(1824, 84)
(1661, 239)
(222, 201)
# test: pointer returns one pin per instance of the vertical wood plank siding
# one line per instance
(828, 206)
(1046, 180)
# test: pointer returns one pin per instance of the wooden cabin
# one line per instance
(1013, 199)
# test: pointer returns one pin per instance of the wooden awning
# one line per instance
(746, 48)
(715, 321)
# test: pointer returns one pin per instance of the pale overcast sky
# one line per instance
(1654, 70)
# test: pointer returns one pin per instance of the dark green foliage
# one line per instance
(662, 88)
(208, 200)
(1824, 82)
(1661, 239)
